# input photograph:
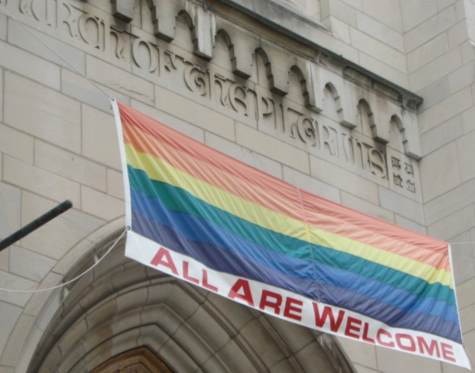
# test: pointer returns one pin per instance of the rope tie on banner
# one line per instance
(75, 278)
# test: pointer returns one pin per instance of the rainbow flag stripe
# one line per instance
(237, 220)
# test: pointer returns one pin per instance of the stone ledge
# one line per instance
(307, 31)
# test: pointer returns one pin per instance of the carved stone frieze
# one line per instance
(323, 120)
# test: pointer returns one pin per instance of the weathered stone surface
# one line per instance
(40, 181)
(441, 135)
(10, 210)
(378, 50)
(49, 48)
(427, 52)
(3, 27)
(18, 338)
(119, 80)
(29, 65)
(79, 88)
(16, 144)
(99, 137)
(115, 184)
(435, 70)
(272, 148)
(434, 93)
(306, 356)
(465, 293)
(380, 31)
(29, 264)
(344, 180)
(42, 112)
(340, 10)
(391, 361)
(196, 114)
(444, 110)
(14, 282)
(360, 353)
(70, 165)
(244, 155)
(450, 202)
(9, 315)
(414, 13)
(380, 68)
(100, 204)
(462, 257)
(453, 224)
(5, 260)
(385, 12)
(411, 225)
(440, 172)
(427, 30)
(462, 77)
(401, 205)
(172, 121)
(361, 369)
(467, 50)
(311, 184)
(360, 205)
(1, 94)
(258, 338)
(466, 156)
(468, 120)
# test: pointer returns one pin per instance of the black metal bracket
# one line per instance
(35, 224)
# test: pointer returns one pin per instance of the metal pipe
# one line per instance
(35, 224)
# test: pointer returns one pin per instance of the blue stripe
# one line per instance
(206, 233)
(235, 264)
(180, 200)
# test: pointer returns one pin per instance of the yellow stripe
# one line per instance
(160, 170)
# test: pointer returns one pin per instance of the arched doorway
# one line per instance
(123, 317)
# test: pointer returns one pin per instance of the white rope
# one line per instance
(74, 279)
(52, 50)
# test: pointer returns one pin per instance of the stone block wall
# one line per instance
(251, 91)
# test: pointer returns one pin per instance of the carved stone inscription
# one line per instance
(198, 80)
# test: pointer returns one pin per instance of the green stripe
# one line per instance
(180, 200)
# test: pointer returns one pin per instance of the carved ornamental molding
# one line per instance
(335, 96)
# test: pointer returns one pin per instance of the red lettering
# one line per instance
(206, 284)
(365, 334)
(246, 296)
(352, 325)
(186, 276)
(328, 313)
(401, 337)
(447, 352)
(430, 349)
(158, 260)
(265, 302)
(289, 307)
(387, 334)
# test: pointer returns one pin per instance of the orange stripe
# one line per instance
(253, 185)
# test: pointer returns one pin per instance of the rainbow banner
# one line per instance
(215, 222)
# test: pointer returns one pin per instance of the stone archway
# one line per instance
(122, 308)
(140, 360)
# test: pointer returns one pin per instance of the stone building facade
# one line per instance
(368, 103)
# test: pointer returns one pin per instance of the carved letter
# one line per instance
(151, 63)
(96, 37)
